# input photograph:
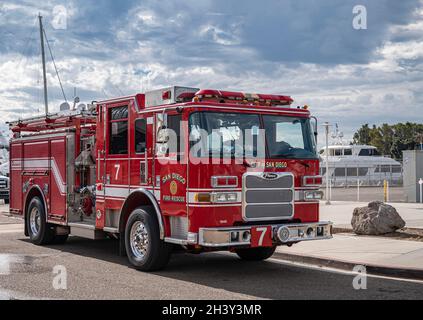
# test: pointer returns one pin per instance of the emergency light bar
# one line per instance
(243, 98)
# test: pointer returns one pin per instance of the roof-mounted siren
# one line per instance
(64, 107)
(91, 107)
(243, 98)
(81, 107)
(169, 95)
(75, 101)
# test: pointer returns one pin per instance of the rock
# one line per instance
(376, 219)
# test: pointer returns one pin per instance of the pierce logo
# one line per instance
(270, 176)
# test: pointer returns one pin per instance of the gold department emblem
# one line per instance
(173, 187)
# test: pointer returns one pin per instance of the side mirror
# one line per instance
(315, 127)
(163, 135)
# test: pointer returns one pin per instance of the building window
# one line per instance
(140, 135)
(118, 130)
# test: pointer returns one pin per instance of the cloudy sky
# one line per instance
(306, 49)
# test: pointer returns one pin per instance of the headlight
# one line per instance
(221, 197)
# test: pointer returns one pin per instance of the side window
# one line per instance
(338, 152)
(339, 172)
(118, 130)
(140, 135)
(364, 152)
(352, 172)
(174, 123)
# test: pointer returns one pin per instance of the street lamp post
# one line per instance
(327, 125)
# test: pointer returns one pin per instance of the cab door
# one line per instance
(117, 156)
(171, 170)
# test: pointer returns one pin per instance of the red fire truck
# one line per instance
(109, 170)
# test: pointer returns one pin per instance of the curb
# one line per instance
(411, 233)
(403, 273)
(341, 230)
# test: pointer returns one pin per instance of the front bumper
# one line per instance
(280, 234)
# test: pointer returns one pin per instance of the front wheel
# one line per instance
(256, 254)
(144, 248)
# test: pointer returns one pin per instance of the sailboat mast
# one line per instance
(40, 18)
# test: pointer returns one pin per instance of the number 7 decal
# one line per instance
(262, 230)
(261, 237)
(117, 166)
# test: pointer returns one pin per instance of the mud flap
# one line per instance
(122, 249)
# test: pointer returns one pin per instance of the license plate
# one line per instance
(261, 237)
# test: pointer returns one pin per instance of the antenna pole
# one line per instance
(43, 57)
(327, 125)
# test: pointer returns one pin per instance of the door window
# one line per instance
(118, 130)
(140, 135)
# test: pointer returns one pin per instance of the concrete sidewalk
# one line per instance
(388, 257)
(381, 255)
(340, 213)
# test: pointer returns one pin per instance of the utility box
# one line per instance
(413, 172)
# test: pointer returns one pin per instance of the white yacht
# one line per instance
(363, 164)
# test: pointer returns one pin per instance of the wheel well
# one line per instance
(34, 192)
(137, 198)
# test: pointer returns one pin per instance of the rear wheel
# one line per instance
(40, 232)
(256, 254)
(144, 248)
(6, 201)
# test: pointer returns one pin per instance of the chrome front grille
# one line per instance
(3, 184)
(268, 196)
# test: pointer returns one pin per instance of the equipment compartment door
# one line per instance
(58, 179)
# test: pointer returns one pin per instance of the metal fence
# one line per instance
(362, 176)
(366, 194)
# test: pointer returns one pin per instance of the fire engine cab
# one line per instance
(204, 170)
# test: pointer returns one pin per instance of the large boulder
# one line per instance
(376, 219)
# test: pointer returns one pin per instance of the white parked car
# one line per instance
(4, 169)
(4, 188)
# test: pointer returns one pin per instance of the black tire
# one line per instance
(6, 201)
(45, 234)
(157, 253)
(256, 254)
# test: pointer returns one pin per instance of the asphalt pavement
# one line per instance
(95, 271)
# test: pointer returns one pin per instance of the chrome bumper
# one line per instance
(281, 234)
(4, 193)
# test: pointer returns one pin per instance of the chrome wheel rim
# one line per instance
(35, 221)
(139, 240)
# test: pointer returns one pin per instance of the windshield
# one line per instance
(289, 137)
(237, 135)
(223, 134)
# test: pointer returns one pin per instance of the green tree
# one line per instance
(391, 139)
(362, 136)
